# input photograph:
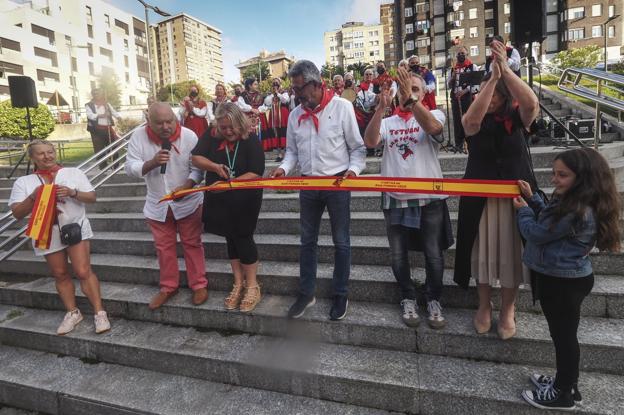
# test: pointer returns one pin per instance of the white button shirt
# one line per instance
(179, 168)
(336, 147)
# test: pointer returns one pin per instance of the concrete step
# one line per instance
(384, 379)
(367, 283)
(54, 383)
(368, 324)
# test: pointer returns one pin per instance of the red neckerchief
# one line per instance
(383, 79)
(506, 120)
(230, 145)
(364, 85)
(253, 98)
(338, 91)
(157, 140)
(49, 174)
(308, 113)
(235, 98)
(406, 115)
(461, 65)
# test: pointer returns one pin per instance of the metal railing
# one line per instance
(592, 85)
(115, 158)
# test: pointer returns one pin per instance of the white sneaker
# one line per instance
(70, 321)
(101, 322)
(435, 320)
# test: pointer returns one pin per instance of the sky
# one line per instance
(296, 26)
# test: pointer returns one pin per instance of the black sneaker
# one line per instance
(339, 307)
(549, 397)
(301, 304)
(542, 381)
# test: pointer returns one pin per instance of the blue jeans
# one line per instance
(313, 203)
(431, 229)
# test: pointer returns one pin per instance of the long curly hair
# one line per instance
(593, 187)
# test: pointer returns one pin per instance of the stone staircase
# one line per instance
(183, 359)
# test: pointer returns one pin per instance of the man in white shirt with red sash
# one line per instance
(413, 221)
(165, 143)
(323, 139)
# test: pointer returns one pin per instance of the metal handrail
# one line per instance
(570, 82)
(114, 167)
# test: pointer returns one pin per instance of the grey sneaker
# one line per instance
(410, 317)
(70, 321)
(101, 322)
(435, 319)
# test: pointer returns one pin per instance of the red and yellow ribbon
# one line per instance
(451, 187)
(42, 218)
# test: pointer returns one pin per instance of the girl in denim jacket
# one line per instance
(583, 213)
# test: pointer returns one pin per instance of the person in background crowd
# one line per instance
(382, 79)
(150, 101)
(403, 63)
(365, 102)
(193, 112)
(294, 101)
(410, 150)
(249, 101)
(73, 192)
(275, 110)
(220, 97)
(324, 140)
(238, 92)
(414, 66)
(461, 94)
(146, 159)
(513, 56)
(100, 122)
(338, 82)
(349, 92)
(489, 245)
(234, 153)
(583, 213)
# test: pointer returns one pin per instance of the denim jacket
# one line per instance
(561, 250)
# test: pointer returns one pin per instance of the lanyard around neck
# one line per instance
(232, 162)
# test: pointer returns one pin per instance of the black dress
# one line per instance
(493, 154)
(232, 213)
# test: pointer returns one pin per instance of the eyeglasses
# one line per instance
(298, 89)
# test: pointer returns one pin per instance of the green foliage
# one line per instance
(266, 86)
(180, 90)
(125, 125)
(252, 72)
(585, 57)
(618, 67)
(358, 69)
(13, 121)
(328, 71)
(109, 84)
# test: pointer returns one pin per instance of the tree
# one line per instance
(585, 57)
(328, 71)
(618, 67)
(252, 71)
(180, 90)
(358, 69)
(13, 121)
(266, 86)
(109, 84)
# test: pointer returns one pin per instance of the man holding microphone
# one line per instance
(161, 153)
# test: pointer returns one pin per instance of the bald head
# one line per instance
(162, 120)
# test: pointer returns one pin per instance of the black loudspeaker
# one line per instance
(23, 92)
(528, 21)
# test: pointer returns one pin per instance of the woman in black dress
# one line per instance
(489, 245)
(233, 154)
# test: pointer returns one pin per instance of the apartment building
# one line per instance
(64, 45)
(278, 62)
(353, 43)
(187, 49)
(386, 17)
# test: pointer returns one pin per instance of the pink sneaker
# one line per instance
(70, 321)
(101, 322)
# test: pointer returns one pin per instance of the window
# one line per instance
(576, 34)
(127, 77)
(108, 53)
(126, 62)
(424, 59)
(108, 39)
(506, 8)
(42, 31)
(89, 14)
(74, 64)
(596, 10)
(409, 28)
(474, 32)
(596, 31)
(611, 31)
(90, 31)
(422, 25)
(489, 14)
(107, 20)
(126, 46)
(46, 75)
(123, 26)
(474, 50)
(507, 27)
(9, 44)
(423, 43)
(90, 49)
(132, 99)
(91, 68)
(489, 31)
(472, 13)
(422, 7)
(576, 13)
(46, 54)
(409, 45)
(611, 11)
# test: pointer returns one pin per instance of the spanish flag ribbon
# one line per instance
(42, 217)
(451, 187)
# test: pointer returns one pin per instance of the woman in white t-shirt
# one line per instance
(74, 190)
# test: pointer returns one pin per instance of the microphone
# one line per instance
(165, 145)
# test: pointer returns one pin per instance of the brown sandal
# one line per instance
(251, 299)
(233, 300)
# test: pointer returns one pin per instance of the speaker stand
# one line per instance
(30, 138)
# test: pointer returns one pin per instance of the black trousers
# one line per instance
(242, 248)
(458, 108)
(561, 300)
